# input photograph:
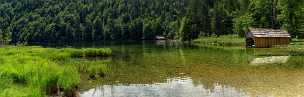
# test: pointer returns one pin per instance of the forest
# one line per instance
(23, 21)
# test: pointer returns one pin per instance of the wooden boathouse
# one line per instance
(266, 38)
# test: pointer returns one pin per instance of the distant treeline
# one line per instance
(94, 20)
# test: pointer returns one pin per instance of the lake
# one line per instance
(169, 69)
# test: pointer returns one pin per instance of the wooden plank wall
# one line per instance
(266, 42)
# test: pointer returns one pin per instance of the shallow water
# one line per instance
(174, 87)
(173, 70)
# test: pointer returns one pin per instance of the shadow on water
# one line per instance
(172, 69)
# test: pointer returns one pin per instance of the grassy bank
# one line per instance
(224, 41)
(34, 71)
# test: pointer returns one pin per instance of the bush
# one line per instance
(242, 24)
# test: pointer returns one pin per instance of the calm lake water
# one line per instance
(161, 69)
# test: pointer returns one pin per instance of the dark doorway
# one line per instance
(249, 42)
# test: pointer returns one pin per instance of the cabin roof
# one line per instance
(262, 32)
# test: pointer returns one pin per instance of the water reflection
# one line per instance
(270, 60)
(158, 70)
(174, 87)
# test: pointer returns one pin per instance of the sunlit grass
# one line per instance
(224, 40)
(29, 71)
(91, 52)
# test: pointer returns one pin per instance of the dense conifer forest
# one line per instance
(95, 20)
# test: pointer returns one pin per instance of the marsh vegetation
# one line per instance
(30, 71)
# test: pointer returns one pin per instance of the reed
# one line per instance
(91, 52)
(31, 71)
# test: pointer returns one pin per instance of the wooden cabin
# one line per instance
(266, 38)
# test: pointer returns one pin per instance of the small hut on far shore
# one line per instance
(266, 38)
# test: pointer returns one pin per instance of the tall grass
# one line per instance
(224, 40)
(30, 71)
(91, 52)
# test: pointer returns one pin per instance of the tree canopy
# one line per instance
(95, 20)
